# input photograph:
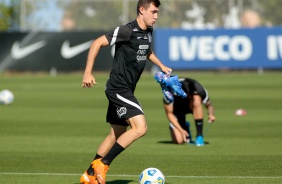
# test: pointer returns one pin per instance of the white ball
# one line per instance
(151, 176)
(240, 112)
(6, 97)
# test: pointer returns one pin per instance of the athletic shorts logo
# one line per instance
(121, 111)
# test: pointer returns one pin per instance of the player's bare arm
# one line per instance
(210, 109)
(88, 79)
(171, 117)
(152, 57)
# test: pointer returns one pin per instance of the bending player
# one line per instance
(176, 106)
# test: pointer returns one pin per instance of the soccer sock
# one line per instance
(188, 130)
(114, 151)
(90, 170)
(199, 126)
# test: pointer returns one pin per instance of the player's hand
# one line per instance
(211, 118)
(88, 80)
(184, 134)
(167, 70)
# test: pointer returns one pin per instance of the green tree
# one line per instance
(272, 13)
(101, 15)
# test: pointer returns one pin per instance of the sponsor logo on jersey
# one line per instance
(142, 53)
(121, 111)
(145, 37)
(143, 46)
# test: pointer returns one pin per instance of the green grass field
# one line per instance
(50, 133)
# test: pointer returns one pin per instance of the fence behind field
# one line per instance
(189, 34)
(60, 15)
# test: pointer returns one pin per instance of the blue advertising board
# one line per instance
(220, 48)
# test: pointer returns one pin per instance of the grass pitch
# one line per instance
(52, 130)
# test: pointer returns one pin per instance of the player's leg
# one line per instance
(185, 125)
(138, 129)
(109, 149)
(197, 107)
(175, 134)
(88, 177)
(115, 132)
(127, 112)
(198, 114)
(124, 139)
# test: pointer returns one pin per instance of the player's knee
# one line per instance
(141, 131)
(138, 126)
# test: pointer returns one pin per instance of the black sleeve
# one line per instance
(166, 101)
(120, 34)
(200, 90)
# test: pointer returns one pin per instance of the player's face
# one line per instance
(150, 15)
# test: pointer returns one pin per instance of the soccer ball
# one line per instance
(151, 176)
(240, 112)
(6, 97)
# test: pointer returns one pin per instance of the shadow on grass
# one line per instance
(117, 182)
(170, 142)
(165, 142)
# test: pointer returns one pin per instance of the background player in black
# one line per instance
(176, 111)
(133, 48)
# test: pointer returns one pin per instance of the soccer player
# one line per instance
(133, 48)
(176, 108)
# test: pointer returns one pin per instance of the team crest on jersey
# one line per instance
(121, 111)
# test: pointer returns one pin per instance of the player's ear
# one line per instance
(141, 10)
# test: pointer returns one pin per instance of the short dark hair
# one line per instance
(146, 4)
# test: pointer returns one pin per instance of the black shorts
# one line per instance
(122, 106)
(182, 106)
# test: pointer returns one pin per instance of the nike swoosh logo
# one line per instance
(18, 53)
(69, 52)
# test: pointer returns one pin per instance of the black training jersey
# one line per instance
(132, 48)
(191, 87)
